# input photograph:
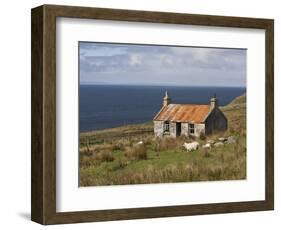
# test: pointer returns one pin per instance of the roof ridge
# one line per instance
(159, 112)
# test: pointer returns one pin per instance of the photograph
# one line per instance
(161, 114)
(141, 114)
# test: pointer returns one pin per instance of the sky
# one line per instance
(133, 64)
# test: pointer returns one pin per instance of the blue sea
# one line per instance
(108, 106)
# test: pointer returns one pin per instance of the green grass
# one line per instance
(164, 160)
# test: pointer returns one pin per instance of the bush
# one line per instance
(95, 159)
(104, 156)
(87, 161)
(191, 137)
(137, 152)
(85, 152)
(108, 147)
(121, 163)
(202, 136)
(206, 153)
(117, 146)
(165, 144)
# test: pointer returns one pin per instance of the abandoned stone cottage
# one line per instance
(188, 119)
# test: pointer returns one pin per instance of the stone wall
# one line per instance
(184, 129)
(216, 121)
(173, 131)
(198, 129)
(158, 128)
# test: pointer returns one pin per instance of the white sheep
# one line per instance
(218, 144)
(191, 146)
(206, 146)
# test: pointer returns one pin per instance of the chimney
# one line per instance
(214, 102)
(166, 99)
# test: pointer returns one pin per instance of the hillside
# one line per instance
(235, 112)
(240, 101)
(112, 156)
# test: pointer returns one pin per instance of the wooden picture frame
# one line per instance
(43, 202)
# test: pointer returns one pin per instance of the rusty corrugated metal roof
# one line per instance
(183, 113)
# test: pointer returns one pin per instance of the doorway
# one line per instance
(178, 128)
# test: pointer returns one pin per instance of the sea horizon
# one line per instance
(115, 105)
(164, 85)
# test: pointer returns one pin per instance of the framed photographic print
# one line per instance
(140, 114)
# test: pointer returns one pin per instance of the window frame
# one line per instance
(166, 124)
(191, 128)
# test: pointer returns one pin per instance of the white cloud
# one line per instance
(135, 59)
(154, 64)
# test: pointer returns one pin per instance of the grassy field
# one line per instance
(112, 156)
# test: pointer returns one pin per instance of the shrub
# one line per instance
(117, 146)
(95, 159)
(165, 144)
(121, 163)
(231, 130)
(137, 152)
(87, 161)
(107, 147)
(191, 137)
(206, 153)
(85, 152)
(104, 156)
(202, 136)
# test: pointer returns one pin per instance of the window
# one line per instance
(166, 126)
(191, 128)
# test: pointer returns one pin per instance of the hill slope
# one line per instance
(235, 112)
